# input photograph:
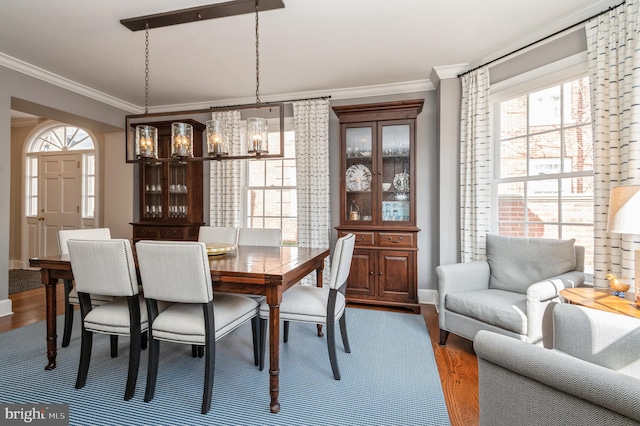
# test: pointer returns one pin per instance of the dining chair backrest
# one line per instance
(218, 234)
(103, 266)
(65, 235)
(259, 237)
(175, 271)
(341, 263)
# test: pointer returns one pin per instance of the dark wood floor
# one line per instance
(456, 361)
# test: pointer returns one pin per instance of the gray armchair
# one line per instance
(591, 377)
(509, 292)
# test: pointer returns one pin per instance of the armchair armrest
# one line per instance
(459, 277)
(518, 380)
(604, 338)
(540, 295)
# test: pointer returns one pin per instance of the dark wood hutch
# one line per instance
(170, 192)
(377, 201)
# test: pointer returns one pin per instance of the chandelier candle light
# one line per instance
(146, 142)
(181, 140)
(217, 138)
(623, 218)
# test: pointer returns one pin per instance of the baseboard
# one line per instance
(427, 297)
(5, 307)
(15, 264)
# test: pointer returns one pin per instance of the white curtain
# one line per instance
(475, 165)
(226, 177)
(613, 52)
(311, 124)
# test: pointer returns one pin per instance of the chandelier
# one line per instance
(217, 135)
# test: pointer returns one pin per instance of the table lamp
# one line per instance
(624, 218)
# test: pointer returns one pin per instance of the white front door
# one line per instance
(59, 189)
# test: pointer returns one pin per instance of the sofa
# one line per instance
(509, 291)
(590, 377)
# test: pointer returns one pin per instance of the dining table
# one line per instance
(256, 270)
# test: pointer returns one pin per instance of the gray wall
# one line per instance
(29, 94)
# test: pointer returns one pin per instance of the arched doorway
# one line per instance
(60, 186)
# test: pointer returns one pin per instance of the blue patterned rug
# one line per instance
(390, 378)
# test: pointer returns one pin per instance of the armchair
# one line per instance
(591, 377)
(509, 292)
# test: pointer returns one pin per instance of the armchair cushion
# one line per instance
(504, 309)
(516, 263)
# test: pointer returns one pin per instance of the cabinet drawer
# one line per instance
(396, 239)
(145, 232)
(363, 239)
(172, 233)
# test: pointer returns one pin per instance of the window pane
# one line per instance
(513, 154)
(577, 104)
(544, 110)
(290, 144)
(255, 202)
(289, 173)
(542, 230)
(256, 172)
(272, 223)
(545, 149)
(513, 118)
(274, 172)
(584, 237)
(577, 200)
(578, 149)
(289, 203)
(511, 209)
(289, 231)
(91, 183)
(272, 202)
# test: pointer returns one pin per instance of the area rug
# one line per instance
(389, 378)
(22, 279)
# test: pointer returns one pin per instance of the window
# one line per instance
(271, 194)
(88, 185)
(544, 170)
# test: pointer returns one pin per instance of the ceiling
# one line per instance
(310, 48)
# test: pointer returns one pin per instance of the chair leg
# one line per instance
(152, 371)
(194, 351)
(263, 340)
(114, 345)
(85, 357)
(145, 340)
(286, 332)
(255, 333)
(134, 365)
(343, 333)
(68, 314)
(331, 345)
(210, 356)
(444, 334)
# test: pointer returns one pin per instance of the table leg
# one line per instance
(319, 279)
(274, 356)
(51, 309)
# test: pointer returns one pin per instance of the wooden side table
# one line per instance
(602, 299)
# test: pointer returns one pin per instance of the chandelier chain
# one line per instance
(146, 69)
(257, 56)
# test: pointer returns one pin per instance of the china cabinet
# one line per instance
(377, 201)
(170, 192)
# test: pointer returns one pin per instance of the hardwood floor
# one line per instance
(456, 361)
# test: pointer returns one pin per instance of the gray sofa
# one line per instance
(508, 292)
(590, 378)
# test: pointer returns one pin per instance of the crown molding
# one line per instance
(447, 71)
(49, 77)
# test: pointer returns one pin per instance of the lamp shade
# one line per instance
(146, 142)
(624, 210)
(181, 140)
(217, 138)
(257, 136)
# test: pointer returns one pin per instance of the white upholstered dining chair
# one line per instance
(70, 292)
(318, 305)
(259, 237)
(178, 272)
(218, 234)
(108, 267)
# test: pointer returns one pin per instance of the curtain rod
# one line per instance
(542, 39)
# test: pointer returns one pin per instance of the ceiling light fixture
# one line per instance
(217, 133)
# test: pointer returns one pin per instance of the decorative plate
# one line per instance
(401, 182)
(358, 178)
(217, 249)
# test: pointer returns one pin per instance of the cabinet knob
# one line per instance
(395, 241)
(361, 238)
(379, 273)
(371, 273)
(171, 233)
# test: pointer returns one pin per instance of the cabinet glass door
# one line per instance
(359, 174)
(396, 155)
(152, 188)
(178, 191)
